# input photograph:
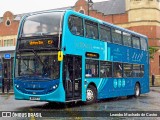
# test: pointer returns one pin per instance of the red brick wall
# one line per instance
(151, 32)
(154, 64)
(158, 32)
(83, 4)
(115, 19)
(12, 28)
(120, 18)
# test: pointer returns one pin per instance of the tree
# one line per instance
(152, 50)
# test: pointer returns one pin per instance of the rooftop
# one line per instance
(108, 7)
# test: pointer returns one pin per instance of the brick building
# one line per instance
(142, 16)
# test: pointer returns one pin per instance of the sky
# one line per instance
(25, 6)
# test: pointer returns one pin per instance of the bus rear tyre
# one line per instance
(137, 90)
(91, 95)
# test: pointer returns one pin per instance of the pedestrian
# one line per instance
(153, 79)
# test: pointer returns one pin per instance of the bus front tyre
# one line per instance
(137, 90)
(91, 95)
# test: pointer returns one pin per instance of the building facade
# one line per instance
(142, 16)
(8, 33)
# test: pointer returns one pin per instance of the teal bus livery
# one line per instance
(64, 56)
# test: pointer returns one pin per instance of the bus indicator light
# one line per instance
(60, 55)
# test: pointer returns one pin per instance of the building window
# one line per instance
(81, 11)
(8, 42)
(8, 22)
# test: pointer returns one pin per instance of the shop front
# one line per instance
(6, 69)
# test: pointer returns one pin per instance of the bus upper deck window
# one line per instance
(116, 36)
(76, 25)
(91, 29)
(126, 39)
(105, 33)
(136, 42)
(144, 44)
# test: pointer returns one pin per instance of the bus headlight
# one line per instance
(55, 86)
(16, 85)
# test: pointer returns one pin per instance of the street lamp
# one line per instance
(90, 3)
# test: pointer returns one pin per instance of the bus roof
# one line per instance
(91, 18)
(46, 11)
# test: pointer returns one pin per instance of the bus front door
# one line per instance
(72, 77)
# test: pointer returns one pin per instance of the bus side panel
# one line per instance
(107, 87)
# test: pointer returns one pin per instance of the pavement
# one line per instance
(155, 89)
(5, 93)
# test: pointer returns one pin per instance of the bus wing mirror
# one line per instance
(60, 55)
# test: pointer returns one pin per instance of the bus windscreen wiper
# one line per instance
(26, 64)
(37, 57)
(23, 50)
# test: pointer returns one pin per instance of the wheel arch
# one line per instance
(137, 82)
(93, 84)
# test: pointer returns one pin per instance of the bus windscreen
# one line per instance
(42, 24)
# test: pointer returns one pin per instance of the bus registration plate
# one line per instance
(34, 98)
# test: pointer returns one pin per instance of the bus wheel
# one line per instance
(91, 95)
(137, 90)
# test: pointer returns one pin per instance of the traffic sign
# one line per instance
(7, 56)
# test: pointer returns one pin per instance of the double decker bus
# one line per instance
(65, 56)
